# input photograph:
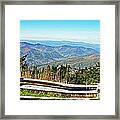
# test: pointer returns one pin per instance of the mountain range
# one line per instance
(60, 43)
(41, 53)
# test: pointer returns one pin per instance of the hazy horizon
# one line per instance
(61, 30)
(48, 40)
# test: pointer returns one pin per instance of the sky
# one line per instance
(62, 30)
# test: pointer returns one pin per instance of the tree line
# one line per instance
(62, 73)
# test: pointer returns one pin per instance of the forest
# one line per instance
(62, 73)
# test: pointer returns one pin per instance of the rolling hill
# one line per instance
(43, 54)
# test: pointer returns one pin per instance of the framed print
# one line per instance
(60, 60)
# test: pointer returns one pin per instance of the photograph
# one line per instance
(59, 59)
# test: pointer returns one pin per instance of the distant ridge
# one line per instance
(58, 43)
(41, 54)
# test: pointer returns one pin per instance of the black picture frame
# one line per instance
(66, 2)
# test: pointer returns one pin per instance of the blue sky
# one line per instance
(62, 30)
